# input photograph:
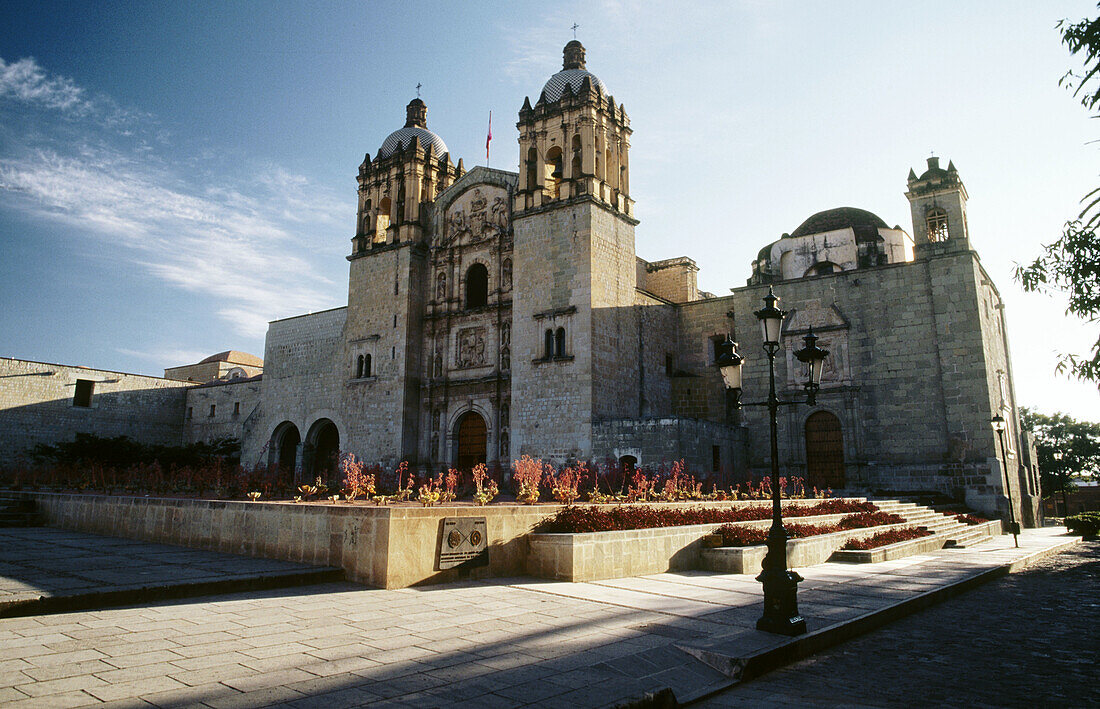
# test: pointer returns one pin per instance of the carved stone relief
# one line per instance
(471, 348)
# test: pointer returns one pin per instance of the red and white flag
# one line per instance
(488, 139)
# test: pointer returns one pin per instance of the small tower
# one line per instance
(937, 200)
(411, 168)
(574, 141)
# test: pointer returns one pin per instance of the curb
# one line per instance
(46, 605)
(755, 664)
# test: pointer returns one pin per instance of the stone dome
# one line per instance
(402, 137)
(839, 218)
(416, 126)
(572, 74)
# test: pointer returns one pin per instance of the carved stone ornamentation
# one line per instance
(471, 348)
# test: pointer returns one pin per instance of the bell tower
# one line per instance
(937, 200)
(575, 266)
(574, 141)
(411, 168)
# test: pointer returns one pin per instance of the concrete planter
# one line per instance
(906, 548)
(807, 551)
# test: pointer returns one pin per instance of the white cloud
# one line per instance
(247, 244)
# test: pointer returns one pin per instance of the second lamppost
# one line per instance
(780, 584)
(998, 423)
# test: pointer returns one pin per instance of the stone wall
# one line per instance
(37, 406)
(303, 381)
(655, 441)
(219, 409)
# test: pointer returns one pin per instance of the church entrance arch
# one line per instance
(322, 450)
(472, 435)
(824, 451)
(284, 449)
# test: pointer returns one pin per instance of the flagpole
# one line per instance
(488, 139)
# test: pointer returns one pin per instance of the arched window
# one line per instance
(359, 367)
(532, 168)
(548, 344)
(477, 286)
(823, 268)
(936, 221)
(559, 342)
(366, 365)
(383, 222)
(554, 171)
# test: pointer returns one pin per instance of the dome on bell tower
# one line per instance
(572, 74)
(416, 126)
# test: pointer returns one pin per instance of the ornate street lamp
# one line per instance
(780, 584)
(998, 423)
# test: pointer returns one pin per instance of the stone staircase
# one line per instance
(943, 526)
(18, 511)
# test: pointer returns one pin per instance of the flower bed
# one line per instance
(886, 537)
(741, 536)
(581, 519)
(970, 519)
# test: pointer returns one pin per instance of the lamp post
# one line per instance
(998, 423)
(780, 584)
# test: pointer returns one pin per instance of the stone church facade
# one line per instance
(493, 314)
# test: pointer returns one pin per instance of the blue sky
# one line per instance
(174, 175)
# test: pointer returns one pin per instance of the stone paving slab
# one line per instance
(47, 570)
(510, 642)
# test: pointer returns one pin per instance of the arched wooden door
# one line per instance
(472, 441)
(824, 451)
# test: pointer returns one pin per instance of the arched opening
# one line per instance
(548, 344)
(554, 171)
(936, 221)
(472, 436)
(477, 286)
(823, 268)
(824, 451)
(284, 445)
(359, 367)
(532, 168)
(628, 463)
(559, 342)
(383, 220)
(366, 365)
(323, 447)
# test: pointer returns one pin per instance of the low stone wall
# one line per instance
(807, 551)
(592, 556)
(909, 547)
(388, 547)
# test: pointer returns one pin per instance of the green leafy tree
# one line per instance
(1071, 264)
(1066, 448)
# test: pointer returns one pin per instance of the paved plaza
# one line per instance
(502, 642)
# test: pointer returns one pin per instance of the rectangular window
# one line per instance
(716, 458)
(83, 395)
(190, 412)
(212, 407)
(236, 408)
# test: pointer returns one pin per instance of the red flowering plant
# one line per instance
(527, 474)
(357, 482)
(484, 493)
(450, 484)
(970, 519)
(563, 485)
(641, 487)
(886, 537)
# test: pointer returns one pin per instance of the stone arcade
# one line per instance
(492, 314)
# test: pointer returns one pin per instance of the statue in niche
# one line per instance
(504, 443)
(478, 222)
(506, 275)
(506, 334)
(500, 212)
(437, 368)
(435, 420)
(505, 359)
(441, 287)
(471, 347)
(504, 415)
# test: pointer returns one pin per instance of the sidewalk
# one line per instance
(46, 570)
(494, 643)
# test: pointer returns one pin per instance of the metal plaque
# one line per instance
(463, 543)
